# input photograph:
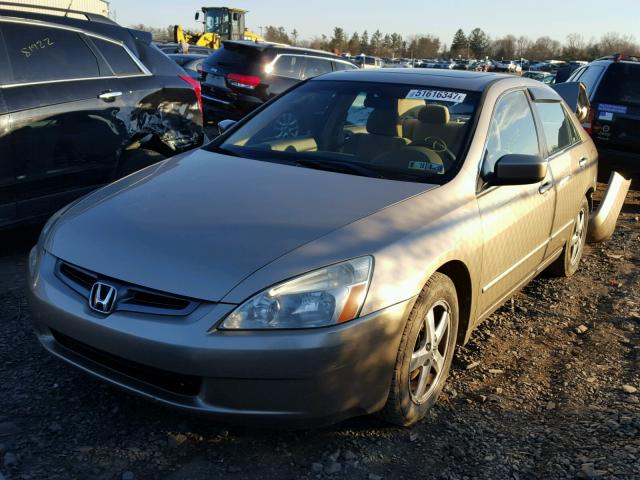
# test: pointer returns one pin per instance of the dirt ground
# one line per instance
(544, 390)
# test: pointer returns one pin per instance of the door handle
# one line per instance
(109, 96)
(545, 187)
(583, 162)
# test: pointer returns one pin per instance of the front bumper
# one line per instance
(313, 376)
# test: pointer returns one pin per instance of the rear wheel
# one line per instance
(426, 352)
(569, 260)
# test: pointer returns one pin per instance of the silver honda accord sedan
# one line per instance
(322, 257)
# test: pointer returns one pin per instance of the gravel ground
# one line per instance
(545, 389)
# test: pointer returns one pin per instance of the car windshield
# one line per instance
(401, 132)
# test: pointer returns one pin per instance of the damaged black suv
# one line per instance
(83, 101)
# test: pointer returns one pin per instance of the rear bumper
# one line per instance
(313, 376)
(617, 157)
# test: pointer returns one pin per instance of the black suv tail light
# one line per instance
(243, 81)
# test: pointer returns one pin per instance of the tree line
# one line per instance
(476, 44)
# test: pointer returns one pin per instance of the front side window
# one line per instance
(512, 130)
(355, 128)
(39, 54)
(557, 127)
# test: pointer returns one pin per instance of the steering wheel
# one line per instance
(287, 126)
(437, 145)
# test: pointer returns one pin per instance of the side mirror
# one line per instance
(225, 125)
(197, 17)
(514, 169)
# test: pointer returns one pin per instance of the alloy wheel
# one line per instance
(576, 243)
(430, 351)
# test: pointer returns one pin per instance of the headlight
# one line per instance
(327, 296)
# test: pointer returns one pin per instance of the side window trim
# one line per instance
(4, 58)
(83, 35)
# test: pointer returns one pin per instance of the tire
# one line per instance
(569, 260)
(136, 160)
(411, 397)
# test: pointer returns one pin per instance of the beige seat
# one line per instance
(433, 121)
(383, 135)
(408, 109)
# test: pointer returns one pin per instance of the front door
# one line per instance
(516, 220)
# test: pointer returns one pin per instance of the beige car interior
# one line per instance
(397, 136)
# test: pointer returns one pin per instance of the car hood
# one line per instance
(198, 224)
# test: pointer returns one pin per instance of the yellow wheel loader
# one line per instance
(220, 23)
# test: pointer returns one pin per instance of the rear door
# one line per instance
(616, 122)
(570, 166)
(64, 138)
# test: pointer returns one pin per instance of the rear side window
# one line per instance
(316, 66)
(621, 84)
(38, 54)
(343, 66)
(557, 127)
(119, 59)
(512, 130)
(290, 66)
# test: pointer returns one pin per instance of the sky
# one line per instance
(555, 18)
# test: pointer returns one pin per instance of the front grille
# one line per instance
(149, 299)
(131, 298)
(77, 275)
(187, 385)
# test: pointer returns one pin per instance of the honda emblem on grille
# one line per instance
(102, 298)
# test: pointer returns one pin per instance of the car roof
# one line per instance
(91, 23)
(281, 47)
(455, 79)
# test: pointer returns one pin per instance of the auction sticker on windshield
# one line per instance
(455, 97)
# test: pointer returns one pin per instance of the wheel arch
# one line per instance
(459, 274)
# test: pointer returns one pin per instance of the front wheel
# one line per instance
(425, 354)
(569, 260)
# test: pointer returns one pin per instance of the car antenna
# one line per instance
(66, 14)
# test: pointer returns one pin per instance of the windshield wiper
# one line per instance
(224, 151)
(341, 167)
